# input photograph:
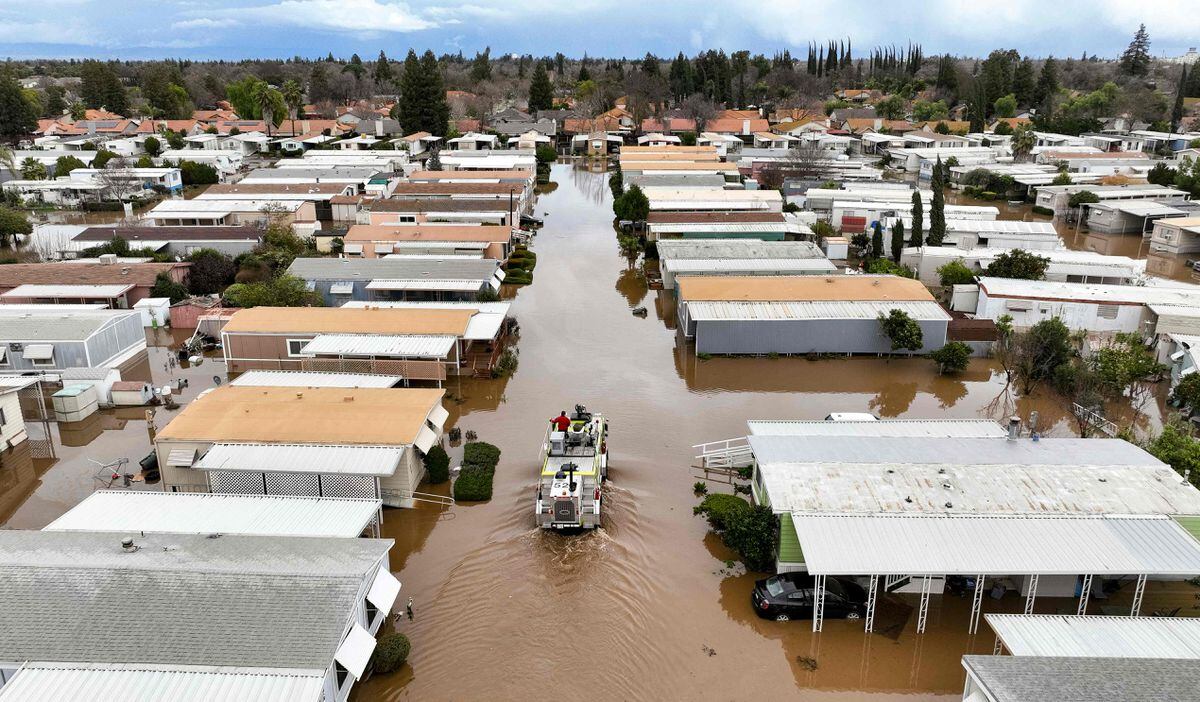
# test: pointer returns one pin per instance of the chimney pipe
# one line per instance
(1014, 428)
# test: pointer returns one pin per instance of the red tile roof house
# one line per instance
(140, 275)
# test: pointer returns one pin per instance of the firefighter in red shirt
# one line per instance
(561, 422)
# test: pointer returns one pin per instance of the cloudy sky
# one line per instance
(281, 28)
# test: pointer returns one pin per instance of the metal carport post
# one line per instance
(818, 601)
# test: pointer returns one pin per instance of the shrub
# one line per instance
(722, 509)
(390, 652)
(481, 454)
(437, 465)
(164, 286)
(1046, 211)
(955, 273)
(700, 487)
(474, 484)
(952, 358)
(754, 534)
(194, 173)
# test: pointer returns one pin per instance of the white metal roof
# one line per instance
(697, 249)
(880, 427)
(174, 208)
(405, 345)
(858, 309)
(1097, 636)
(303, 458)
(712, 266)
(208, 513)
(865, 474)
(894, 544)
(416, 284)
(1145, 208)
(1175, 294)
(80, 291)
(307, 379)
(70, 682)
(997, 226)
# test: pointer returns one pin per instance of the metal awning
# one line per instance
(181, 458)
(303, 458)
(355, 651)
(380, 345)
(1025, 544)
(383, 248)
(426, 438)
(38, 352)
(1097, 636)
(352, 248)
(427, 284)
(384, 590)
(341, 289)
(437, 416)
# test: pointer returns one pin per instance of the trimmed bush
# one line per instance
(722, 510)
(1038, 209)
(754, 534)
(474, 484)
(437, 465)
(390, 653)
(481, 454)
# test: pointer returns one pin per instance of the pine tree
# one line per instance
(583, 73)
(1136, 59)
(481, 66)
(918, 221)
(541, 93)
(877, 241)
(1023, 84)
(383, 71)
(1177, 109)
(937, 208)
(408, 107)
(17, 116)
(1047, 86)
(436, 112)
(897, 240)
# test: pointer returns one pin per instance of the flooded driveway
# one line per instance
(651, 607)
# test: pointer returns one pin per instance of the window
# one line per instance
(3, 419)
(43, 362)
(1106, 311)
(295, 346)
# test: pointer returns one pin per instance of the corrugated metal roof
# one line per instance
(883, 427)
(24, 325)
(342, 269)
(1045, 679)
(1097, 636)
(833, 288)
(869, 474)
(80, 291)
(893, 544)
(670, 249)
(458, 285)
(305, 379)
(1176, 293)
(208, 513)
(71, 682)
(232, 601)
(483, 326)
(706, 311)
(303, 458)
(998, 226)
(778, 266)
(396, 345)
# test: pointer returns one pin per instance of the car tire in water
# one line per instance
(782, 618)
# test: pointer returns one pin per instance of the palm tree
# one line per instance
(1023, 140)
(268, 101)
(293, 97)
(8, 160)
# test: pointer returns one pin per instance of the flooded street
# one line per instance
(652, 606)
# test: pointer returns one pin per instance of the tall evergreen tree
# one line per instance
(1023, 82)
(917, 237)
(1177, 109)
(541, 92)
(1136, 59)
(481, 66)
(937, 207)
(436, 113)
(408, 109)
(17, 115)
(101, 87)
(897, 240)
(1047, 86)
(383, 70)
(877, 241)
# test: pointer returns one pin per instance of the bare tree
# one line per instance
(699, 109)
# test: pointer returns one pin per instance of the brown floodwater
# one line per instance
(652, 606)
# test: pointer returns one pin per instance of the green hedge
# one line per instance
(437, 465)
(474, 484)
(1038, 209)
(722, 509)
(481, 454)
(390, 652)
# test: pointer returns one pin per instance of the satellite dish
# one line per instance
(217, 380)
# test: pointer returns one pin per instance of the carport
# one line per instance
(895, 546)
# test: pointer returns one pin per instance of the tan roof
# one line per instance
(713, 217)
(802, 288)
(669, 157)
(426, 232)
(350, 320)
(630, 165)
(141, 274)
(1180, 221)
(364, 416)
(1106, 155)
(444, 188)
(678, 149)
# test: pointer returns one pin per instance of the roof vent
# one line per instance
(949, 505)
(1104, 480)
(127, 545)
(299, 396)
(946, 485)
(908, 499)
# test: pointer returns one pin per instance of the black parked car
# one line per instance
(790, 596)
